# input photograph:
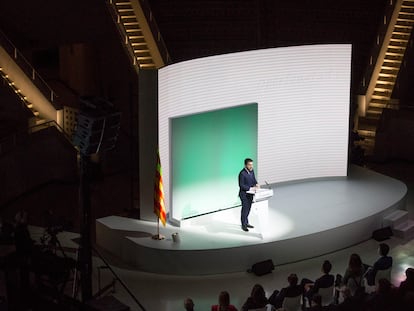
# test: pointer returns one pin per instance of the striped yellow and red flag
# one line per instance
(159, 204)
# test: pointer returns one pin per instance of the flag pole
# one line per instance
(159, 204)
(158, 236)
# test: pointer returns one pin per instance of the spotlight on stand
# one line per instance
(96, 131)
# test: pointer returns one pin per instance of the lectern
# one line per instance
(260, 207)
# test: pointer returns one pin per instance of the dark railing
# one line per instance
(28, 69)
(115, 275)
(122, 32)
(406, 65)
(153, 26)
(155, 31)
(48, 124)
(376, 48)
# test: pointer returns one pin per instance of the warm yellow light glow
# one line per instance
(23, 84)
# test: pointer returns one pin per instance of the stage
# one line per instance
(304, 220)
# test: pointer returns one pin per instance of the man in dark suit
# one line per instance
(326, 280)
(383, 263)
(247, 181)
(293, 290)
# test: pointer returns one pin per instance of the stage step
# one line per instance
(405, 230)
(395, 218)
(410, 209)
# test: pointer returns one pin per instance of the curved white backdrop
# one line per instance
(303, 96)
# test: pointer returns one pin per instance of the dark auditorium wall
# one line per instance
(195, 28)
(42, 157)
(76, 47)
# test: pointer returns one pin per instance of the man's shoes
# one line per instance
(249, 226)
(244, 228)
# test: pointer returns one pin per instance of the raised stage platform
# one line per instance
(304, 220)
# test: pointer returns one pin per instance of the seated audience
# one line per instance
(407, 285)
(383, 298)
(256, 300)
(316, 304)
(326, 280)
(223, 303)
(406, 291)
(383, 263)
(354, 275)
(188, 304)
(293, 290)
(348, 303)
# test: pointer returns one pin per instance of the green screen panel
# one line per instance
(207, 153)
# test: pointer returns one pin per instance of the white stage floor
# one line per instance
(304, 220)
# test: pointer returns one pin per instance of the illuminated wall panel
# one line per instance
(302, 95)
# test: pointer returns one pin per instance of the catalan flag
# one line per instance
(159, 204)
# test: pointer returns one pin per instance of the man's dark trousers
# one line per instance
(246, 200)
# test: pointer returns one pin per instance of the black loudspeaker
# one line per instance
(263, 267)
(97, 125)
(382, 234)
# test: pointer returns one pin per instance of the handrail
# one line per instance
(122, 32)
(155, 31)
(408, 107)
(375, 50)
(50, 124)
(111, 4)
(28, 69)
(119, 279)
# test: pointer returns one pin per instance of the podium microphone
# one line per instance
(267, 184)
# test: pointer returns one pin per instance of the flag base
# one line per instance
(158, 237)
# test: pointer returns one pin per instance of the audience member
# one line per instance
(348, 303)
(188, 304)
(385, 298)
(316, 304)
(382, 299)
(21, 217)
(257, 299)
(325, 281)
(405, 291)
(407, 285)
(383, 263)
(354, 274)
(293, 290)
(223, 303)
(22, 238)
